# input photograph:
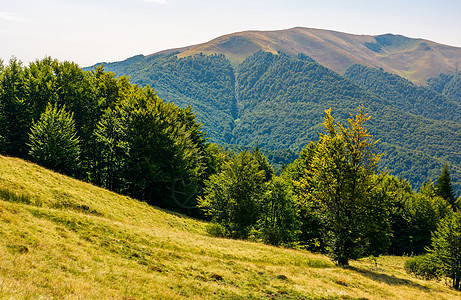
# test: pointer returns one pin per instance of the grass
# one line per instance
(65, 239)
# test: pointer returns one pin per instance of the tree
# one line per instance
(264, 165)
(444, 188)
(311, 220)
(341, 186)
(233, 196)
(53, 140)
(14, 110)
(278, 218)
(446, 247)
(155, 150)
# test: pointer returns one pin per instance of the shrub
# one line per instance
(216, 230)
(424, 266)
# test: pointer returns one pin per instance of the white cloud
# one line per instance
(11, 17)
(156, 1)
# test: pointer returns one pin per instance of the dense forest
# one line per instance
(205, 82)
(333, 198)
(448, 85)
(280, 101)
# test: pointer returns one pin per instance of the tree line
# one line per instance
(104, 130)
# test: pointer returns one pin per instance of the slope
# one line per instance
(414, 59)
(404, 95)
(204, 82)
(448, 85)
(65, 239)
(278, 102)
(283, 99)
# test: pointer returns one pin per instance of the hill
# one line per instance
(414, 59)
(278, 102)
(66, 239)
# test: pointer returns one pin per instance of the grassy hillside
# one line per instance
(414, 59)
(65, 239)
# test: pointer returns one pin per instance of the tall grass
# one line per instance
(65, 239)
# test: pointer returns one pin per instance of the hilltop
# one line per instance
(413, 58)
(66, 239)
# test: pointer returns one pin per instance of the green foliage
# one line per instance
(424, 266)
(339, 183)
(446, 247)
(14, 110)
(53, 140)
(422, 212)
(278, 214)
(444, 188)
(233, 197)
(216, 230)
(448, 85)
(405, 95)
(155, 149)
(312, 222)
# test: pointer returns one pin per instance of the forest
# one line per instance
(332, 199)
(277, 102)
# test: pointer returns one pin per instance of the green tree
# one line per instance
(154, 150)
(444, 188)
(446, 247)
(264, 164)
(278, 218)
(14, 110)
(53, 140)
(233, 196)
(311, 220)
(343, 189)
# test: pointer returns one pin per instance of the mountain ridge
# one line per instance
(416, 59)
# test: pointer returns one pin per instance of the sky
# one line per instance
(92, 31)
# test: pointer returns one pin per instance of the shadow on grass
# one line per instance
(391, 280)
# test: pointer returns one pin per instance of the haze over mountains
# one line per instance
(271, 88)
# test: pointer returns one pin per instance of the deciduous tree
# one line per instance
(342, 188)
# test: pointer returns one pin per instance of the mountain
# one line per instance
(66, 239)
(405, 95)
(277, 101)
(411, 58)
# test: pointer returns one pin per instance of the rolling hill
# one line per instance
(414, 59)
(66, 239)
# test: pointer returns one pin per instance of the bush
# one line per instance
(216, 230)
(424, 266)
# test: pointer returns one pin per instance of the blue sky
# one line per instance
(91, 31)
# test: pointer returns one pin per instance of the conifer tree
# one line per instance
(446, 247)
(444, 188)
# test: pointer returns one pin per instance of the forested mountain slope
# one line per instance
(405, 95)
(283, 100)
(205, 82)
(414, 59)
(448, 85)
(278, 102)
